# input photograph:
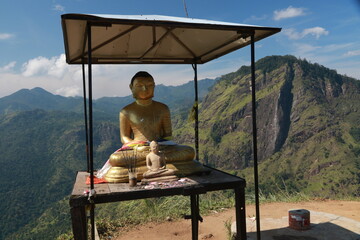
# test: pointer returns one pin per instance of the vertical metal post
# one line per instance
(196, 109)
(256, 180)
(79, 224)
(85, 118)
(92, 212)
(194, 199)
(240, 213)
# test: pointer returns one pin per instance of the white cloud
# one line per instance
(59, 8)
(315, 31)
(58, 66)
(56, 76)
(9, 67)
(70, 91)
(4, 36)
(352, 53)
(55, 66)
(289, 12)
(36, 66)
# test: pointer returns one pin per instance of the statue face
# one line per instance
(154, 147)
(143, 88)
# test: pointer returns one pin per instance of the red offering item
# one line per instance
(299, 219)
(96, 180)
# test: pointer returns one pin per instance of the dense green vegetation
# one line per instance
(308, 135)
(40, 153)
(308, 145)
(43, 145)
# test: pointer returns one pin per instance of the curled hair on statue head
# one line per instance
(143, 74)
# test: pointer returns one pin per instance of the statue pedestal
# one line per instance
(159, 179)
(121, 174)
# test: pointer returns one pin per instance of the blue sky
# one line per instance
(32, 49)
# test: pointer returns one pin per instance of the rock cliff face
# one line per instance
(304, 115)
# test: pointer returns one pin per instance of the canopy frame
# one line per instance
(165, 40)
(247, 34)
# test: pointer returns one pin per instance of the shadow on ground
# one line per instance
(324, 226)
(321, 231)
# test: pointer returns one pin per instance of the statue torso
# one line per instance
(156, 162)
(147, 123)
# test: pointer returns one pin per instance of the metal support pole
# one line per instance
(92, 212)
(86, 119)
(256, 180)
(79, 224)
(194, 198)
(240, 213)
(196, 109)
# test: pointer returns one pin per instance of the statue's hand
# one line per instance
(139, 146)
(142, 148)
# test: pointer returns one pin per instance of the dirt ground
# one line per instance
(213, 226)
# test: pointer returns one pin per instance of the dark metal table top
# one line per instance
(112, 192)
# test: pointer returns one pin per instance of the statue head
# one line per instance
(142, 86)
(154, 147)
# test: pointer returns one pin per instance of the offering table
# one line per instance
(192, 186)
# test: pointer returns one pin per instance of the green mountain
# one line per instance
(38, 98)
(308, 138)
(40, 153)
(178, 98)
(43, 145)
(308, 127)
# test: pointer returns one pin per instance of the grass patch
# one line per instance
(227, 225)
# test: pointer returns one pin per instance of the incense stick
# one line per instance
(131, 160)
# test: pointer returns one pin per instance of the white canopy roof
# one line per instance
(124, 39)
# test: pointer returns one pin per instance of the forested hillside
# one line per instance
(308, 119)
(40, 153)
(308, 127)
(43, 145)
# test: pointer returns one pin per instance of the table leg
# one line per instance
(194, 216)
(240, 213)
(78, 218)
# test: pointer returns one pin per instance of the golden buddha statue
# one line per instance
(141, 122)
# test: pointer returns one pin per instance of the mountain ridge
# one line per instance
(105, 107)
(43, 144)
(308, 128)
(300, 105)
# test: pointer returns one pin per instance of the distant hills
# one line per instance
(308, 119)
(43, 145)
(38, 98)
(308, 127)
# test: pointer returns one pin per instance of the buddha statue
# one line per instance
(141, 122)
(156, 164)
